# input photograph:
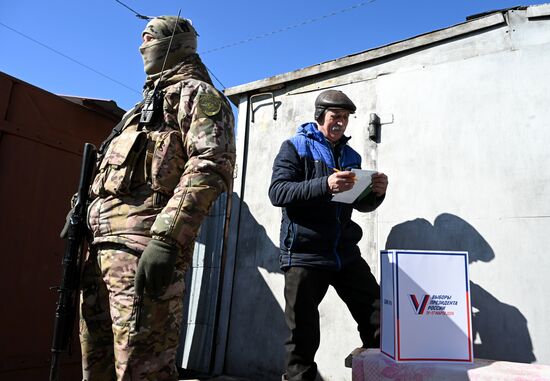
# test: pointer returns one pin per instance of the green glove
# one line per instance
(155, 268)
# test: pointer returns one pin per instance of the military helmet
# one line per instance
(332, 99)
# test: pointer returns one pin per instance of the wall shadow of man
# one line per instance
(499, 330)
(256, 329)
(257, 325)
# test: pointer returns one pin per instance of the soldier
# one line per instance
(155, 183)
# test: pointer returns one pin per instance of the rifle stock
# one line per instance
(69, 290)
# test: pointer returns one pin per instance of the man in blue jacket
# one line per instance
(318, 239)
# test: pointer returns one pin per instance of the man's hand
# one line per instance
(379, 183)
(155, 268)
(341, 181)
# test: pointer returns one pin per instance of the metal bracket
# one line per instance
(375, 126)
(252, 108)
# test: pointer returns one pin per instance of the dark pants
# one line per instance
(305, 288)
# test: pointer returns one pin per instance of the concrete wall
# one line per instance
(467, 158)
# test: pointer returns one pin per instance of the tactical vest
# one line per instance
(141, 155)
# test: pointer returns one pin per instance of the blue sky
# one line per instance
(240, 41)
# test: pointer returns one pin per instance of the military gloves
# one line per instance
(156, 268)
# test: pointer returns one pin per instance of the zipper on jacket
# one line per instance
(289, 249)
(337, 239)
(338, 210)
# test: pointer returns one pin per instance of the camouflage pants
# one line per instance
(112, 347)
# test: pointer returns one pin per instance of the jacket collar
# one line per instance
(310, 130)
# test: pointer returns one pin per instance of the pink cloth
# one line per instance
(371, 365)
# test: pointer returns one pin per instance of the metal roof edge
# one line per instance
(540, 10)
(503, 10)
(414, 42)
(106, 106)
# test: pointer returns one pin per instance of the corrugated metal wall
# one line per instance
(201, 301)
(41, 141)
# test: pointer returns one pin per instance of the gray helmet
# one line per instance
(332, 99)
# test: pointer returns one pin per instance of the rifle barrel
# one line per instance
(69, 291)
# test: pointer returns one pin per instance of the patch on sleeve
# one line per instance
(209, 104)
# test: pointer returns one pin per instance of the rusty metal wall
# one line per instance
(41, 141)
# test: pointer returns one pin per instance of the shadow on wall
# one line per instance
(257, 331)
(500, 330)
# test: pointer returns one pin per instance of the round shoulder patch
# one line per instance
(210, 104)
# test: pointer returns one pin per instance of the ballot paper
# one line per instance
(362, 182)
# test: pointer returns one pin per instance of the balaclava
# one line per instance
(154, 51)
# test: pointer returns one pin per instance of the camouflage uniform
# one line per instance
(153, 182)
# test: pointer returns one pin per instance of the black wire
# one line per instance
(257, 37)
(213, 75)
(169, 46)
(138, 15)
(287, 28)
(84, 65)
(69, 58)
(149, 18)
(355, 6)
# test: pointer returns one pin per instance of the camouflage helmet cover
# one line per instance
(155, 51)
(162, 26)
(332, 99)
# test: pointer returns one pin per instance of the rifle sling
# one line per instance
(118, 129)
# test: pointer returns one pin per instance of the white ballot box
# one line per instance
(425, 306)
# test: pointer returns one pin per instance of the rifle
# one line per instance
(69, 290)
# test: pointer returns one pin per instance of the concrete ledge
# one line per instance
(372, 365)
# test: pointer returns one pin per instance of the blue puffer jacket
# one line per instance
(315, 231)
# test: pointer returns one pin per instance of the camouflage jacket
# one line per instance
(160, 182)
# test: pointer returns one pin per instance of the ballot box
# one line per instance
(425, 306)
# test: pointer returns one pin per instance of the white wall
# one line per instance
(468, 156)
(467, 159)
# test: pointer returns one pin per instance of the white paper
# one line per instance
(362, 181)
